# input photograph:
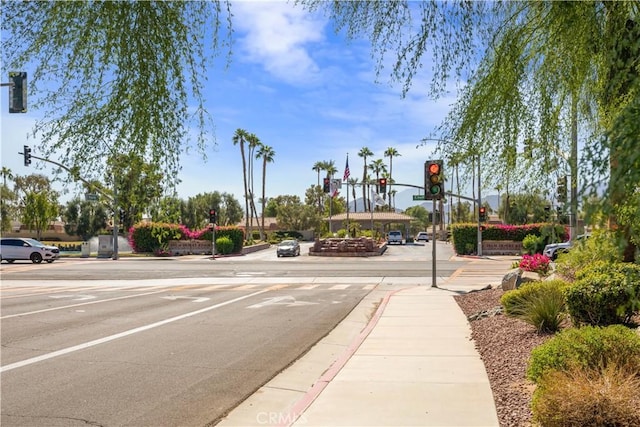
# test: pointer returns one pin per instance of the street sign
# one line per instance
(419, 197)
(91, 197)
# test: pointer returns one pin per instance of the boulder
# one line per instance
(511, 280)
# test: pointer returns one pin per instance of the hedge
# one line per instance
(155, 237)
(465, 236)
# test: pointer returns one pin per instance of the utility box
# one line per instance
(85, 250)
(105, 246)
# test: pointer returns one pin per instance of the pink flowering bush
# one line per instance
(536, 263)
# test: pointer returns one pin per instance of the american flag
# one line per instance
(346, 170)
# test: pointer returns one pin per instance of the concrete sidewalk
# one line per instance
(403, 357)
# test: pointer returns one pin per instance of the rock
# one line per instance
(528, 276)
(511, 280)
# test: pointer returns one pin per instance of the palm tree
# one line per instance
(266, 153)
(364, 153)
(353, 182)
(378, 167)
(6, 173)
(391, 152)
(254, 143)
(239, 138)
(317, 167)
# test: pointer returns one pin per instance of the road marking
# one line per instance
(195, 299)
(244, 287)
(99, 341)
(287, 300)
(77, 305)
(339, 287)
(74, 297)
(307, 287)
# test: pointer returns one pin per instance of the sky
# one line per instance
(309, 94)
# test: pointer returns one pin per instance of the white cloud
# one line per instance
(278, 37)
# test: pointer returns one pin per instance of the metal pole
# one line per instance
(213, 241)
(116, 217)
(479, 204)
(573, 166)
(433, 249)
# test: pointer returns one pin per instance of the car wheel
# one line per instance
(49, 261)
(36, 258)
(10, 261)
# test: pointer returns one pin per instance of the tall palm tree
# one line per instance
(353, 182)
(267, 154)
(364, 153)
(317, 167)
(377, 167)
(391, 152)
(239, 138)
(6, 173)
(254, 143)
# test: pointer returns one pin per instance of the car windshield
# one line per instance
(34, 242)
(287, 243)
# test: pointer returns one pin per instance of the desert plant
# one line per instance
(604, 294)
(587, 397)
(601, 246)
(531, 243)
(588, 347)
(540, 304)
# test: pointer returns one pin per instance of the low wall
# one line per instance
(358, 247)
(501, 247)
(190, 247)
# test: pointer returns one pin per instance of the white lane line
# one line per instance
(86, 345)
(79, 304)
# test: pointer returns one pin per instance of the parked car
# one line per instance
(553, 250)
(422, 236)
(13, 248)
(288, 247)
(394, 237)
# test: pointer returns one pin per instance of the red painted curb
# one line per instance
(305, 401)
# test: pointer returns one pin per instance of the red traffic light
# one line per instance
(434, 169)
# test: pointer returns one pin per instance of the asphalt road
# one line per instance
(170, 342)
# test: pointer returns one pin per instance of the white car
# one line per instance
(394, 237)
(553, 250)
(13, 248)
(423, 235)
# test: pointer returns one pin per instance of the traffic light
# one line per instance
(213, 216)
(482, 213)
(326, 185)
(434, 182)
(121, 216)
(26, 152)
(561, 189)
(18, 92)
(382, 185)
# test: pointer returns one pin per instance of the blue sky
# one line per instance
(306, 92)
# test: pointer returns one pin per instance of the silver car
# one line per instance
(13, 248)
(288, 247)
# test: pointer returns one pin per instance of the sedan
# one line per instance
(422, 236)
(288, 247)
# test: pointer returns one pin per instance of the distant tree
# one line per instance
(420, 219)
(8, 201)
(267, 154)
(240, 137)
(84, 218)
(39, 210)
(391, 152)
(365, 152)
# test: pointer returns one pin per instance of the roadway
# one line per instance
(164, 342)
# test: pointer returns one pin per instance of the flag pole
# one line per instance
(346, 178)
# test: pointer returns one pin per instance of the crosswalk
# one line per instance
(22, 291)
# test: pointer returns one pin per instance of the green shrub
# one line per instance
(601, 246)
(588, 347)
(587, 398)
(604, 294)
(540, 304)
(531, 243)
(224, 245)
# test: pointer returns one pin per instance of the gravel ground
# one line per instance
(505, 345)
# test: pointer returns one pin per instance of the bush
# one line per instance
(536, 263)
(604, 294)
(224, 245)
(587, 397)
(601, 246)
(540, 304)
(531, 243)
(588, 347)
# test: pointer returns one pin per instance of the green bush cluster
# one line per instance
(155, 237)
(465, 236)
(588, 347)
(604, 294)
(224, 245)
(540, 304)
(601, 246)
